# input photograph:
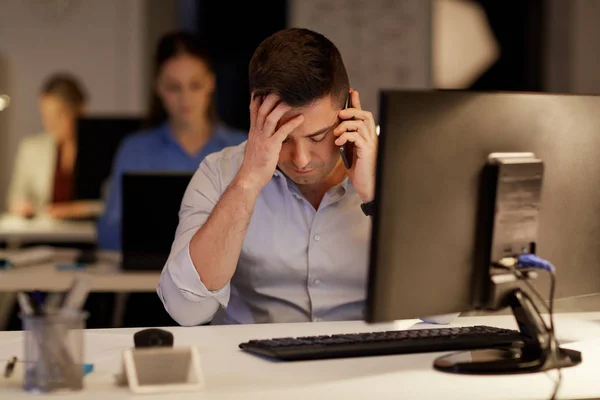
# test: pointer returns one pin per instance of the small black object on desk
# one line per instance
(153, 337)
(86, 257)
(10, 367)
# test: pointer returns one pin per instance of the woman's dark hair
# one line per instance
(170, 46)
(67, 88)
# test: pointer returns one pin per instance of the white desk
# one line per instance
(17, 231)
(233, 374)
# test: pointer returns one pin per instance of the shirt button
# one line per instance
(317, 238)
(317, 281)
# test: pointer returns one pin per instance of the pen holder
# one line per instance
(54, 351)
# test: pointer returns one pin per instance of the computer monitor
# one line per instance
(433, 148)
(150, 215)
(98, 139)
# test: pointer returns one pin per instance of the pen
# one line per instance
(38, 303)
(10, 367)
(52, 302)
(24, 304)
(12, 362)
(76, 297)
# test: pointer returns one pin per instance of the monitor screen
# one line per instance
(98, 139)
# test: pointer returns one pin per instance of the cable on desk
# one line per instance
(533, 261)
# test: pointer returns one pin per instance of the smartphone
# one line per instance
(347, 149)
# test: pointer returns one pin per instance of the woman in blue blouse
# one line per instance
(182, 127)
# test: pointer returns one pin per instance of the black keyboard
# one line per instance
(383, 343)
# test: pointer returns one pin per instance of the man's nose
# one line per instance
(301, 157)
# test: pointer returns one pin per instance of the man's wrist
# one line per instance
(367, 197)
(245, 185)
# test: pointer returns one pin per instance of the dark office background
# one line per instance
(233, 30)
(519, 30)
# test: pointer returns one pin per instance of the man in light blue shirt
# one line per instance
(273, 230)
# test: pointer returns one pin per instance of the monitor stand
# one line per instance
(538, 353)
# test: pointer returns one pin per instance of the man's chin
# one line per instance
(303, 177)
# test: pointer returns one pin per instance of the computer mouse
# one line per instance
(153, 337)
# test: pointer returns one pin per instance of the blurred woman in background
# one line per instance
(42, 181)
(181, 129)
(182, 126)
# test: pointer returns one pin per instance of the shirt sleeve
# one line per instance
(183, 294)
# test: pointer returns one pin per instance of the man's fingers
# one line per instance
(349, 113)
(353, 125)
(273, 118)
(254, 106)
(355, 99)
(287, 128)
(265, 109)
(353, 137)
(366, 116)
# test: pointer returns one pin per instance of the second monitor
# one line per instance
(98, 139)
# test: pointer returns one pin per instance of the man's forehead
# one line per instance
(317, 115)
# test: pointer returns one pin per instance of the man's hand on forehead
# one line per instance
(265, 138)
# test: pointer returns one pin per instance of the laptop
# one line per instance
(150, 215)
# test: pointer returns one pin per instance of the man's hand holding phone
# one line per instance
(264, 140)
(358, 127)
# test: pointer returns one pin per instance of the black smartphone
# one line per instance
(347, 149)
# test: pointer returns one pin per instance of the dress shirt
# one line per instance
(153, 150)
(297, 264)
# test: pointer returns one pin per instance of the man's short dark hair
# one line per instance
(300, 66)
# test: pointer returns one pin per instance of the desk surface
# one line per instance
(103, 277)
(232, 374)
(20, 230)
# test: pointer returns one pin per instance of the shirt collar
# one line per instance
(343, 186)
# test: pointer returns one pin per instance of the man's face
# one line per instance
(309, 153)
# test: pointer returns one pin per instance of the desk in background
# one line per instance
(232, 374)
(16, 231)
(104, 276)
